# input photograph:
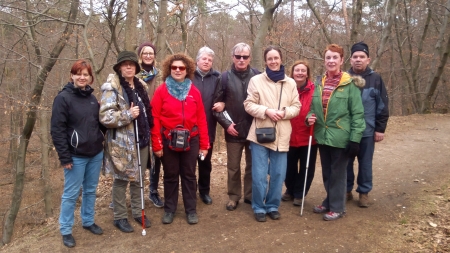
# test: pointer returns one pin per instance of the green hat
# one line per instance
(127, 56)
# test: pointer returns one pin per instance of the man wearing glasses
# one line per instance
(232, 91)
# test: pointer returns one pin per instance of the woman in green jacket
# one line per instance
(337, 114)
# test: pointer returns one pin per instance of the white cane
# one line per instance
(140, 177)
(311, 130)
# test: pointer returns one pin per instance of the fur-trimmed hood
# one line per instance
(359, 81)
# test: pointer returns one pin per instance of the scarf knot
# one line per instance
(276, 75)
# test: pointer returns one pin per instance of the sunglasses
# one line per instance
(238, 57)
(181, 68)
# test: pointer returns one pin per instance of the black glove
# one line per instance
(352, 149)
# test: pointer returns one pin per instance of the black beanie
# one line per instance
(360, 46)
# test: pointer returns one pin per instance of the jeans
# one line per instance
(334, 174)
(204, 172)
(85, 173)
(365, 157)
(267, 162)
(295, 180)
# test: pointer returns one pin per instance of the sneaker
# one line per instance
(192, 218)
(167, 218)
(333, 216)
(297, 202)
(349, 196)
(274, 215)
(287, 197)
(320, 209)
(123, 225)
(111, 205)
(363, 200)
(147, 222)
(68, 241)
(260, 217)
(155, 199)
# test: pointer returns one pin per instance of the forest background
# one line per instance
(409, 43)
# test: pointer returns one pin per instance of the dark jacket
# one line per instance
(233, 94)
(75, 126)
(207, 86)
(375, 101)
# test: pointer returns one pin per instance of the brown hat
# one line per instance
(127, 56)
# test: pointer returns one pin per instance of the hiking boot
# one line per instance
(123, 225)
(332, 216)
(363, 200)
(167, 218)
(192, 218)
(320, 209)
(68, 241)
(231, 205)
(260, 217)
(274, 215)
(287, 197)
(147, 223)
(156, 199)
(94, 228)
(297, 202)
(206, 199)
(349, 196)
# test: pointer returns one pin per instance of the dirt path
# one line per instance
(410, 165)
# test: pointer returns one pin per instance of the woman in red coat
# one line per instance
(298, 145)
(178, 102)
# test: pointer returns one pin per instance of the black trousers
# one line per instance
(295, 181)
(204, 172)
(176, 165)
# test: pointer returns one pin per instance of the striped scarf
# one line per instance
(331, 82)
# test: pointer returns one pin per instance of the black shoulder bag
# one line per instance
(267, 134)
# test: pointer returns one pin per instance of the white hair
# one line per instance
(204, 50)
(239, 47)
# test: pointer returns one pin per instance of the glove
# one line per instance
(352, 149)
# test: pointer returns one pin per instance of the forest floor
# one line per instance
(409, 209)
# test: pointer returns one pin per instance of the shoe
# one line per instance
(156, 199)
(231, 205)
(167, 218)
(260, 217)
(246, 201)
(123, 225)
(111, 205)
(192, 218)
(297, 202)
(96, 230)
(320, 209)
(147, 223)
(333, 216)
(287, 197)
(363, 200)
(349, 196)
(206, 199)
(68, 241)
(274, 215)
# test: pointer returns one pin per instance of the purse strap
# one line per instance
(279, 103)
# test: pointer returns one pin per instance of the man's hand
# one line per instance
(68, 166)
(378, 136)
(218, 107)
(232, 131)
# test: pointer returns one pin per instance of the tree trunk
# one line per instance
(266, 23)
(130, 26)
(319, 19)
(161, 30)
(390, 12)
(16, 199)
(45, 164)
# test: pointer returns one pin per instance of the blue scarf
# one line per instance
(149, 75)
(178, 90)
(276, 75)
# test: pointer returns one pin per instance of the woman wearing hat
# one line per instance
(125, 102)
(151, 76)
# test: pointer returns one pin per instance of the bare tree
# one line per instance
(130, 25)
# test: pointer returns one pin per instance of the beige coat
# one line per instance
(263, 94)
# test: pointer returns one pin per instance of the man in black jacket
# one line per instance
(232, 90)
(206, 80)
(376, 114)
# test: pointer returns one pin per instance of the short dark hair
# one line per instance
(79, 65)
(270, 48)
(188, 61)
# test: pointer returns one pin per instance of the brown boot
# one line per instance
(363, 200)
(349, 196)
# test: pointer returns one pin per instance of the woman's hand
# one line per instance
(68, 166)
(159, 153)
(218, 107)
(275, 115)
(134, 111)
(203, 153)
(312, 120)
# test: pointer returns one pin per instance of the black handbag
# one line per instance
(267, 134)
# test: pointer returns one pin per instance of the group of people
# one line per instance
(148, 117)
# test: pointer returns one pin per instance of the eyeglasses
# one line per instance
(238, 57)
(181, 68)
(148, 54)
